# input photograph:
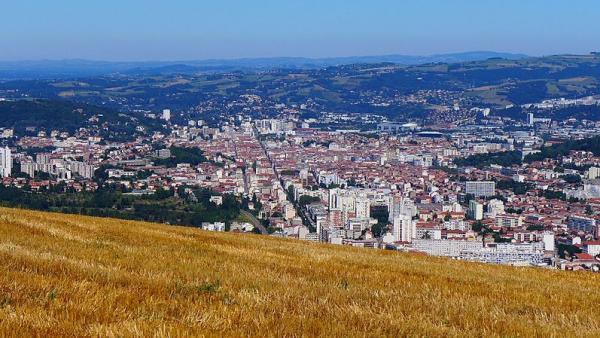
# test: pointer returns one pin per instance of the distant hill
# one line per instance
(45, 114)
(514, 157)
(65, 275)
(493, 82)
(46, 69)
(31, 116)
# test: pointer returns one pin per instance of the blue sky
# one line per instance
(186, 29)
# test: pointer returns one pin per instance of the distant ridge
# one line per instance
(45, 69)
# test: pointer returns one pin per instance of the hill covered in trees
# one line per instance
(509, 158)
(30, 116)
(180, 207)
(358, 87)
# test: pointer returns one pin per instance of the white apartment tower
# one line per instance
(5, 161)
(166, 114)
(530, 119)
(363, 207)
(335, 202)
(475, 210)
(402, 206)
(404, 229)
(548, 240)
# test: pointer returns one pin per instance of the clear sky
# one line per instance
(188, 29)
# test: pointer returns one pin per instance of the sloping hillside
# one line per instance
(70, 275)
(354, 87)
(62, 115)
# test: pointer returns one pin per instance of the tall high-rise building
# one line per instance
(548, 240)
(5, 161)
(475, 210)
(404, 229)
(402, 206)
(335, 202)
(166, 114)
(363, 207)
(530, 119)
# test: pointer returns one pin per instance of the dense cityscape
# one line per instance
(519, 191)
(300, 168)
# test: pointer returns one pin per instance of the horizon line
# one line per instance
(240, 58)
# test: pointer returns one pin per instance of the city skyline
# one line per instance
(300, 168)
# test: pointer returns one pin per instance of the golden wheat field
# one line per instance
(63, 275)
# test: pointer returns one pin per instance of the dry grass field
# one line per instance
(63, 275)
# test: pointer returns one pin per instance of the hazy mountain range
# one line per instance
(44, 69)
